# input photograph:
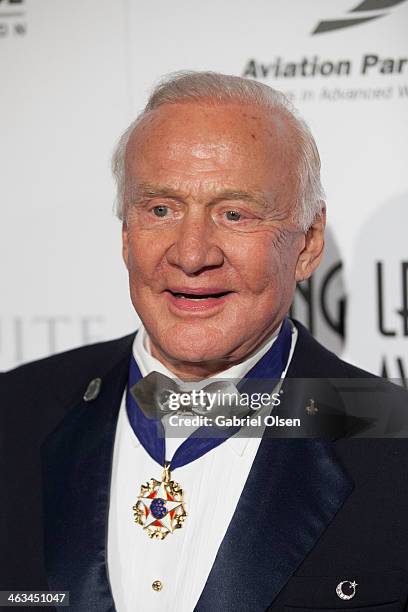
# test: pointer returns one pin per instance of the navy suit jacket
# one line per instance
(314, 511)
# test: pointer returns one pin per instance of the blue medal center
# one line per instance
(158, 508)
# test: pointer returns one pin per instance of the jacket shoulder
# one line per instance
(318, 361)
(362, 393)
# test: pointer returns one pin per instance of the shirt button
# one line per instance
(157, 585)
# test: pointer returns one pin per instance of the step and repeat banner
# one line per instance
(74, 74)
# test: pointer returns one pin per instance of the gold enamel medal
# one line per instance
(159, 509)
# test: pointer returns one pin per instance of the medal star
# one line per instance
(159, 509)
(169, 505)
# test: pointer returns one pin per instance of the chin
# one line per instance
(195, 345)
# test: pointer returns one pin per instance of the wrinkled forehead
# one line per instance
(205, 128)
(207, 148)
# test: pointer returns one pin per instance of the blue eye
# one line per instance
(160, 211)
(233, 215)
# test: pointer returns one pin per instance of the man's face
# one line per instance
(210, 244)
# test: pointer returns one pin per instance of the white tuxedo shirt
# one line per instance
(212, 486)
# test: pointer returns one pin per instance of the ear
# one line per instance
(125, 243)
(312, 252)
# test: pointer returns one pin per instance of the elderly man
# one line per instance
(222, 208)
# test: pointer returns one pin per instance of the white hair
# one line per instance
(221, 88)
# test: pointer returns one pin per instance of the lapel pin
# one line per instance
(346, 589)
(92, 390)
(311, 408)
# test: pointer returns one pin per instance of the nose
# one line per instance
(195, 247)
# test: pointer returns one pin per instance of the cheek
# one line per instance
(259, 264)
(266, 269)
(144, 255)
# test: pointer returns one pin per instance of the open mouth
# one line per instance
(199, 300)
(198, 296)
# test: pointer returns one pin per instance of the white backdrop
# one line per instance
(74, 75)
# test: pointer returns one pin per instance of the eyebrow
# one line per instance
(147, 190)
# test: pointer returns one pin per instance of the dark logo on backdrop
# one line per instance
(370, 10)
(12, 18)
(392, 314)
(317, 302)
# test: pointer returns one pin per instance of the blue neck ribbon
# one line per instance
(150, 432)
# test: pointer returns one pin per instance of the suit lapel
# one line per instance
(77, 462)
(293, 491)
